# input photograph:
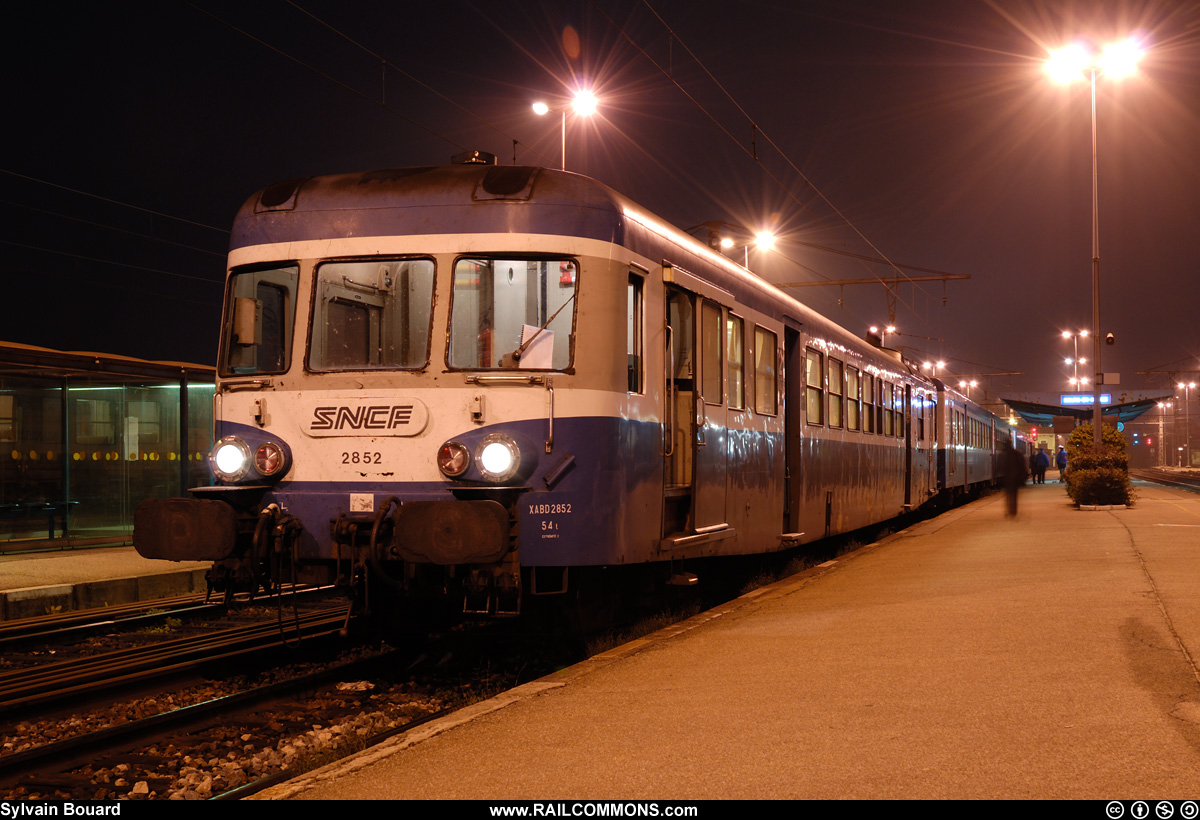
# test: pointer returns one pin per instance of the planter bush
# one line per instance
(1098, 476)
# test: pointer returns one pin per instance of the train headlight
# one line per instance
(230, 459)
(498, 457)
(453, 459)
(269, 459)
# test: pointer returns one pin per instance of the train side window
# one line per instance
(711, 350)
(836, 387)
(766, 388)
(735, 355)
(889, 409)
(853, 398)
(260, 320)
(634, 312)
(814, 381)
(868, 389)
(372, 315)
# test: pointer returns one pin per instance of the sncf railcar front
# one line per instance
(425, 379)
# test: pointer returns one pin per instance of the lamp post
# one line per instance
(1066, 65)
(584, 103)
(1162, 442)
(1186, 387)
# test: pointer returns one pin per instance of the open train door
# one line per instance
(696, 413)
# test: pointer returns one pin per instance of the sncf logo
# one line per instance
(373, 417)
(367, 416)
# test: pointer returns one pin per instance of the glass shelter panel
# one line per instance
(78, 455)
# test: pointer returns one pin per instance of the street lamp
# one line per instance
(763, 240)
(1076, 361)
(967, 385)
(882, 334)
(583, 104)
(1067, 65)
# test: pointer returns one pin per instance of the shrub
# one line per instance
(1098, 475)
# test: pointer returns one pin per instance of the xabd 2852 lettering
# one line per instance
(549, 509)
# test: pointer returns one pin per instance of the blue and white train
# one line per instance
(475, 384)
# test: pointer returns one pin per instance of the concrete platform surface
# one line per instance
(41, 583)
(1052, 655)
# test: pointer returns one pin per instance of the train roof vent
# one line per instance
(473, 158)
(507, 182)
(281, 196)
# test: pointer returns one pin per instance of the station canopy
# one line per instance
(1115, 405)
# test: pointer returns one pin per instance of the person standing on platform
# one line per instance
(1060, 460)
(1042, 463)
(1012, 475)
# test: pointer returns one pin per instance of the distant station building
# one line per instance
(1054, 415)
(84, 437)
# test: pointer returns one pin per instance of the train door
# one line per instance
(929, 411)
(696, 415)
(793, 426)
(908, 446)
(712, 417)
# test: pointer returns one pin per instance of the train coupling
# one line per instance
(493, 592)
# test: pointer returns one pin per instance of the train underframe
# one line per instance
(463, 553)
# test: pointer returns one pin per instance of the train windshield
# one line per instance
(372, 315)
(260, 321)
(512, 313)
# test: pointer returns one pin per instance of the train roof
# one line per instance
(442, 199)
(448, 199)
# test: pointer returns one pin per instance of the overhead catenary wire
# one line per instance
(344, 85)
(756, 131)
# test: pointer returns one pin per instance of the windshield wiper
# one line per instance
(516, 354)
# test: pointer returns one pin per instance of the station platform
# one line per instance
(1050, 655)
(42, 583)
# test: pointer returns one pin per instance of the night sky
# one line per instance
(923, 131)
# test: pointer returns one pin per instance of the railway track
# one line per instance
(1171, 479)
(71, 680)
(132, 615)
(225, 744)
(55, 760)
(59, 625)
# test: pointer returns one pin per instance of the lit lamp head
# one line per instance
(1115, 60)
(584, 103)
